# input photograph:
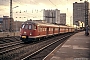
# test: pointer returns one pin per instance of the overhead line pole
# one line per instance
(86, 18)
(10, 8)
(11, 17)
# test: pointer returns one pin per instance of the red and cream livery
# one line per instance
(33, 30)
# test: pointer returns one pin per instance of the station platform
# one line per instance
(77, 47)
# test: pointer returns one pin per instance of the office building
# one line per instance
(63, 18)
(51, 16)
(79, 12)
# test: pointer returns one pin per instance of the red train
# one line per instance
(33, 31)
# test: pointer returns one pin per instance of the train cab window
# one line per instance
(23, 26)
(26, 26)
(30, 27)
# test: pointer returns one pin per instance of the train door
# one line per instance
(68, 29)
(47, 32)
(53, 30)
(65, 30)
(59, 30)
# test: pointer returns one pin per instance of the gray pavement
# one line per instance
(76, 47)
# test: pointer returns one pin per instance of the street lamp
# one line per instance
(11, 17)
(12, 10)
(86, 18)
(15, 7)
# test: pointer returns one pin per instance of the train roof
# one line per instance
(66, 26)
(46, 24)
(41, 23)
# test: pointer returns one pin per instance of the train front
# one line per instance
(28, 32)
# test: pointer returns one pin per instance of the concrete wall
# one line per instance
(8, 34)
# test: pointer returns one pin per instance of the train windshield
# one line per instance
(26, 26)
(23, 26)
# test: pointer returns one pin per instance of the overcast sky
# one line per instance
(33, 8)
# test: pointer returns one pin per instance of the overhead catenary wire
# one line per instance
(52, 3)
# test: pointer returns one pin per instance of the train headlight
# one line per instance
(24, 32)
(30, 33)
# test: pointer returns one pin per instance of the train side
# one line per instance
(33, 31)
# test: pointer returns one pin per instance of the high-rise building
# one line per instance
(52, 16)
(79, 12)
(63, 18)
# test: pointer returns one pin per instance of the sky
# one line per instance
(33, 9)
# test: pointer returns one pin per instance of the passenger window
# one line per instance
(41, 29)
(35, 27)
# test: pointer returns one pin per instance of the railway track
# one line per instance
(5, 40)
(13, 41)
(6, 47)
(2, 46)
(29, 51)
(41, 53)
